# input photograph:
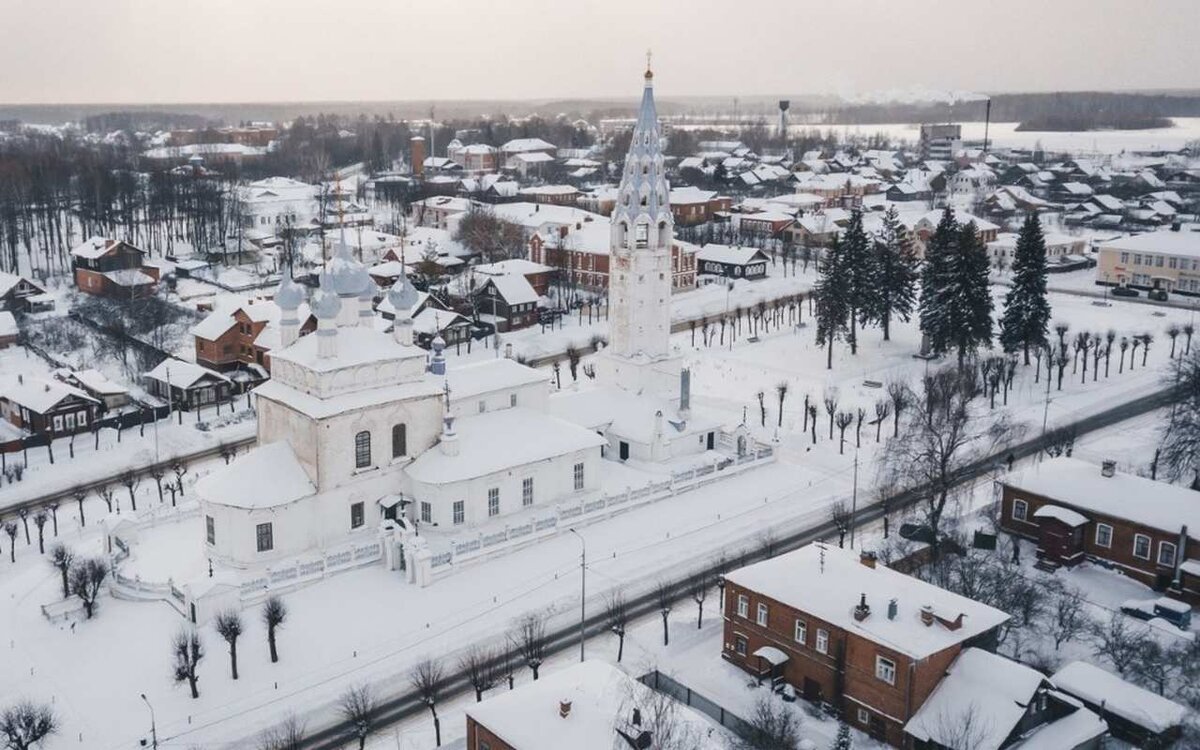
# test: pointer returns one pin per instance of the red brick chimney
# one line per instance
(564, 708)
(867, 558)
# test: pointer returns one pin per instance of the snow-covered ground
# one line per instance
(369, 626)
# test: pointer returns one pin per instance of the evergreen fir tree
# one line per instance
(833, 310)
(935, 312)
(1026, 311)
(859, 272)
(895, 268)
(970, 294)
(843, 740)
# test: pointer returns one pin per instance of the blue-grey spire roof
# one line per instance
(403, 295)
(347, 276)
(644, 190)
(325, 302)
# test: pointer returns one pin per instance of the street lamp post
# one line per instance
(153, 725)
(582, 589)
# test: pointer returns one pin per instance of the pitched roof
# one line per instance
(514, 289)
(182, 374)
(41, 395)
(827, 582)
(1098, 687)
(266, 477)
(1080, 484)
(993, 691)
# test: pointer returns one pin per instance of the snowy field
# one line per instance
(369, 626)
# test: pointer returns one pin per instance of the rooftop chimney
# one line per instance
(927, 614)
(1108, 468)
(564, 708)
(866, 557)
(893, 609)
(862, 610)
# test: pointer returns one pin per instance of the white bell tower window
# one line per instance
(642, 235)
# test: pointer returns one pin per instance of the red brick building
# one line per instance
(581, 252)
(844, 630)
(228, 339)
(112, 268)
(691, 205)
(1078, 511)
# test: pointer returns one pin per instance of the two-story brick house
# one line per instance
(112, 268)
(1078, 511)
(232, 338)
(844, 630)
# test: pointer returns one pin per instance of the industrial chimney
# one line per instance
(784, 104)
(416, 146)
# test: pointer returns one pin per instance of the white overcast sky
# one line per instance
(81, 51)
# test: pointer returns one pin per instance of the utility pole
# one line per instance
(854, 500)
(582, 589)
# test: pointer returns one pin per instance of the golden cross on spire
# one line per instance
(649, 55)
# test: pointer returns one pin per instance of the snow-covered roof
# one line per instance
(10, 280)
(356, 346)
(1166, 242)
(500, 440)
(1138, 705)
(215, 325)
(827, 582)
(96, 382)
(601, 697)
(431, 321)
(629, 416)
(129, 277)
(265, 477)
(1073, 730)
(1059, 513)
(521, 266)
(992, 690)
(92, 247)
(1080, 484)
(469, 381)
(42, 395)
(182, 374)
(514, 289)
(8, 324)
(344, 403)
(526, 144)
(690, 194)
(533, 157)
(738, 255)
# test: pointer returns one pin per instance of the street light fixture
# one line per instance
(582, 589)
(153, 724)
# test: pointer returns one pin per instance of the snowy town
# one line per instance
(696, 417)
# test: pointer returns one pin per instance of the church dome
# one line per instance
(347, 276)
(290, 295)
(403, 295)
(326, 304)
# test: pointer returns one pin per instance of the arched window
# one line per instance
(362, 450)
(399, 440)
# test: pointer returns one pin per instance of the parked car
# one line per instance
(1124, 291)
(1158, 295)
(1173, 611)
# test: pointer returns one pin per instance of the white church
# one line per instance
(362, 433)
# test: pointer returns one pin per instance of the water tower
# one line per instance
(783, 110)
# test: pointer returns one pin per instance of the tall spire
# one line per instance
(642, 231)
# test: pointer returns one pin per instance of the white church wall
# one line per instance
(533, 396)
(279, 422)
(236, 532)
(553, 481)
(335, 444)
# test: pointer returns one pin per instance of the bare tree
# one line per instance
(229, 626)
(179, 469)
(79, 494)
(773, 726)
(1118, 641)
(663, 593)
(476, 664)
(616, 615)
(698, 587)
(964, 729)
(26, 724)
(106, 492)
(830, 399)
(358, 706)
(901, 398)
(288, 735)
(274, 614)
(528, 637)
(883, 408)
(943, 437)
(426, 678)
(1068, 619)
(39, 520)
(158, 473)
(844, 420)
(86, 578)
(10, 528)
(187, 653)
(781, 390)
(1180, 437)
(130, 480)
(1156, 666)
(62, 558)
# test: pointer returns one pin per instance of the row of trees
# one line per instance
(187, 649)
